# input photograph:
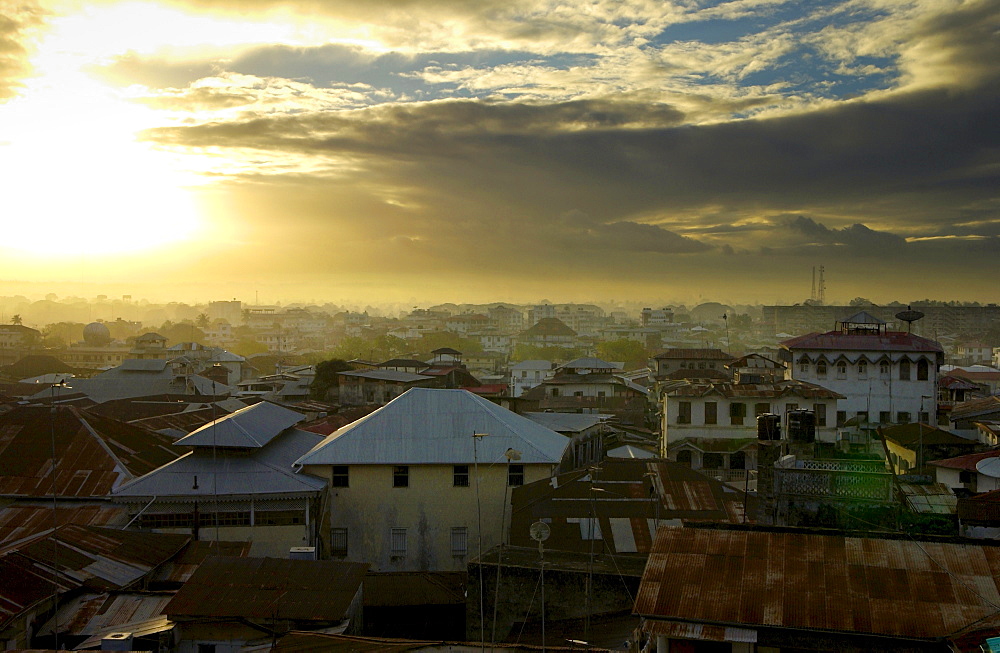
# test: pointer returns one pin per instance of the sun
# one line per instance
(77, 180)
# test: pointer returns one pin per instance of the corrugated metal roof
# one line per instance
(424, 426)
(628, 451)
(807, 581)
(251, 427)
(269, 588)
(264, 471)
(76, 557)
(178, 570)
(567, 422)
(20, 521)
(94, 615)
(387, 375)
(967, 462)
(640, 492)
(786, 388)
(93, 454)
(415, 588)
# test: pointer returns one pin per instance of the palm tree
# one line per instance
(202, 320)
(16, 319)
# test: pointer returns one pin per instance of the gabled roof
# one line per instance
(426, 426)
(395, 376)
(203, 474)
(823, 583)
(966, 463)
(269, 589)
(251, 427)
(568, 422)
(862, 317)
(548, 326)
(949, 382)
(976, 408)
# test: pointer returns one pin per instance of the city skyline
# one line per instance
(452, 151)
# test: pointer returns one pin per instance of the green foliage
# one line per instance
(440, 339)
(181, 332)
(379, 348)
(248, 347)
(632, 353)
(65, 332)
(326, 377)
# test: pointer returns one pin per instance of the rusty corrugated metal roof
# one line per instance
(93, 454)
(629, 497)
(803, 580)
(179, 569)
(19, 521)
(269, 588)
(415, 588)
(79, 557)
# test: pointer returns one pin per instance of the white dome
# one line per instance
(96, 334)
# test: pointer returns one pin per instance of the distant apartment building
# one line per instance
(231, 312)
(656, 316)
(527, 374)
(937, 321)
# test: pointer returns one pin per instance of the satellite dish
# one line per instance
(539, 531)
(987, 467)
(909, 316)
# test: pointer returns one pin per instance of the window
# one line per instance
(459, 541)
(820, 410)
(821, 369)
(515, 475)
(803, 366)
(338, 542)
(790, 407)
(841, 418)
(904, 370)
(602, 393)
(684, 412)
(397, 547)
(922, 370)
(737, 460)
(701, 366)
(460, 476)
(737, 412)
(883, 369)
(902, 417)
(862, 417)
(684, 457)
(401, 476)
(555, 392)
(884, 417)
(862, 369)
(760, 409)
(340, 476)
(841, 370)
(590, 528)
(711, 412)
(578, 393)
(966, 477)
(206, 648)
(524, 374)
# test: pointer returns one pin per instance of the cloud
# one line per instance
(18, 21)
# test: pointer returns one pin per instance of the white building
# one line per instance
(886, 377)
(527, 374)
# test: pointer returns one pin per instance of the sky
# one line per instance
(508, 150)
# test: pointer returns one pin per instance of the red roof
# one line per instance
(888, 341)
(966, 463)
(696, 354)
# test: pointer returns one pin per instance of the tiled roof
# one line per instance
(888, 341)
(818, 582)
(786, 388)
(269, 589)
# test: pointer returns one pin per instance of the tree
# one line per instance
(861, 301)
(202, 320)
(248, 347)
(181, 332)
(326, 377)
(554, 354)
(16, 319)
(632, 353)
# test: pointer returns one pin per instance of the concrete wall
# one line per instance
(428, 509)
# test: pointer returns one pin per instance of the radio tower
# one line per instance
(818, 293)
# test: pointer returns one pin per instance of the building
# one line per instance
(753, 589)
(234, 603)
(411, 483)
(236, 483)
(527, 374)
(548, 332)
(591, 385)
(886, 377)
(909, 447)
(690, 363)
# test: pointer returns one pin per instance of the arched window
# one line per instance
(841, 370)
(904, 369)
(883, 369)
(684, 457)
(803, 365)
(922, 369)
(821, 369)
(862, 369)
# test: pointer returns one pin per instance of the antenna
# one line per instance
(821, 288)
(540, 532)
